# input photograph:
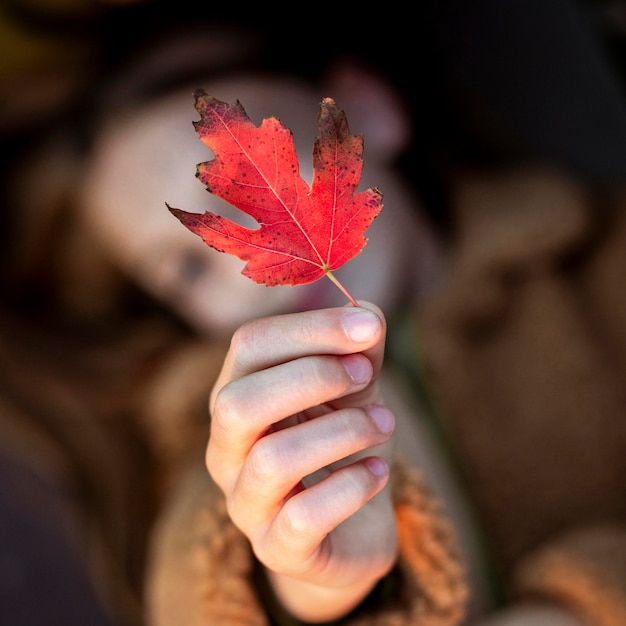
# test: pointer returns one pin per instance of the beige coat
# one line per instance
(524, 343)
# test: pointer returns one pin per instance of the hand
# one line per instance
(300, 445)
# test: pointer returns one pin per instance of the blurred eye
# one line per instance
(191, 267)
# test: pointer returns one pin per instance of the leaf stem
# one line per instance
(341, 287)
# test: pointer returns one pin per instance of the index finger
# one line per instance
(273, 340)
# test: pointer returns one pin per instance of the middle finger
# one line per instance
(279, 461)
(246, 408)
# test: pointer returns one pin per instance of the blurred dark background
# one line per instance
(488, 82)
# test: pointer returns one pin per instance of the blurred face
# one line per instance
(148, 157)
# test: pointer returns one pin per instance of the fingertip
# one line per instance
(361, 325)
(383, 418)
(377, 466)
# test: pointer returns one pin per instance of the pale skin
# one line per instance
(301, 445)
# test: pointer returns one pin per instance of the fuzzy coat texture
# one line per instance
(525, 347)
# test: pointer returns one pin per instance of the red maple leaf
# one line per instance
(304, 232)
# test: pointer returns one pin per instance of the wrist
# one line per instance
(293, 602)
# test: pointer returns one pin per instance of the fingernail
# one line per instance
(383, 418)
(377, 466)
(361, 325)
(358, 367)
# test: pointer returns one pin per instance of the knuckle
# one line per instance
(228, 417)
(217, 468)
(226, 407)
(295, 520)
(264, 464)
(240, 344)
(236, 511)
(210, 460)
(241, 337)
